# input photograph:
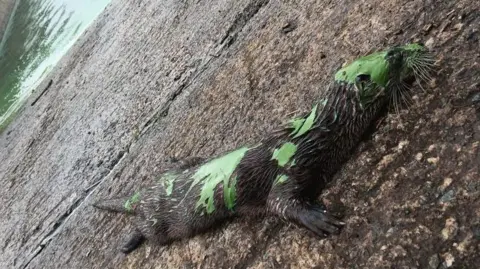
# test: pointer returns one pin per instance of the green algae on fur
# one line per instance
(281, 179)
(215, 172)
(376, 65)
(131, 202)
(387, 73)
(296, 124)
(303, 125)
(284, 153)
(230, 192)
(167, 180)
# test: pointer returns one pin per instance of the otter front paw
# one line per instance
(317, 220)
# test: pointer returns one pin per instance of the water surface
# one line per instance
(38, 34)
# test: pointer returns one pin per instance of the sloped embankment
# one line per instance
(152, 80)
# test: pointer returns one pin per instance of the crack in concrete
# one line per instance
(241, 20)
(229, 38)
(57, 227)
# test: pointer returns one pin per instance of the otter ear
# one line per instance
(362, 80)
(394, 56)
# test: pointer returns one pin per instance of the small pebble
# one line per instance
(433, 261)
(446, 182)
(448, 259)
(433, 160)
(386, 160)
(462, 246)
(429, 43)
(402, 144)
(450, 230)
(447, 197)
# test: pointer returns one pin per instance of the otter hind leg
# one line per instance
(134, 241)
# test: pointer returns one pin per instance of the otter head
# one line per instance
(388, 74)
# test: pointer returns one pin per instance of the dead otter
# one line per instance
(284, 174)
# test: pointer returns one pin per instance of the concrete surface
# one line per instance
(151, 80)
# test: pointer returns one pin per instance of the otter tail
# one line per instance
(114, 205)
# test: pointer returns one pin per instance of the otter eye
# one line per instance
(390, 53)
(362, 78)
(361, 81)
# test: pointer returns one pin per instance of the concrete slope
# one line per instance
(152, 80)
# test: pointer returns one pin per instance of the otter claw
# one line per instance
(320, 222)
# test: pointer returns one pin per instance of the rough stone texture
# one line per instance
(152, 80)
(6, 7)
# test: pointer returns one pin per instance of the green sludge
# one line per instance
(132, 201)
(302, 126)
(214, 172)
(281, 179)
(374, 65)
(284, 153)
(167, 181)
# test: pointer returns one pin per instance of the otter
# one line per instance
(284, 174)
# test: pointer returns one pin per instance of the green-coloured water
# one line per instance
(38, 34)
